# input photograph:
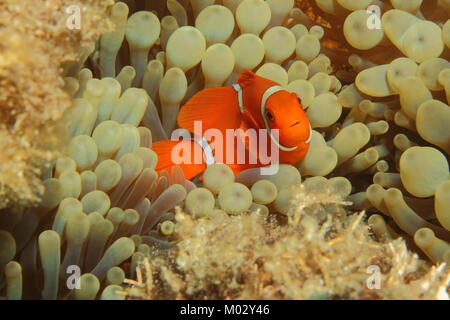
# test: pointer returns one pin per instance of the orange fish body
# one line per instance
(255, 105)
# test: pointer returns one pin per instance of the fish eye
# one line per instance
(270, 115)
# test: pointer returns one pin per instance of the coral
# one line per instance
(372, 188)
(311, 256)
(32, 98)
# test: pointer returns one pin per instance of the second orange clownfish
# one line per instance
(254, 103)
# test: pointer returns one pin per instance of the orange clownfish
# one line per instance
(275, 115)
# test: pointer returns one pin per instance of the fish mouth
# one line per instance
(308, 140)
(277, 142)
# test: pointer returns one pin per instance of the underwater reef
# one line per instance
(35, 43)
(81, 108)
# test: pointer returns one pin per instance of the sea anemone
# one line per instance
(372, 188)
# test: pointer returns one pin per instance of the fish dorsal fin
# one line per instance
(246, 78)
(216, 108)
(254, 88)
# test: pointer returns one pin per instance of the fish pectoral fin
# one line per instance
(248, 121)
(216, 108)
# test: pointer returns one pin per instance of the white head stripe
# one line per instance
(238, 89)
(207, 151)
(266, 95)
(310, 134)
(270, 91)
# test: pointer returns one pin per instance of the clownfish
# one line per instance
(253, 102)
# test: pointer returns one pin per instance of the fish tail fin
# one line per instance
(237, 168)
(186, 154)
(214, 107)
